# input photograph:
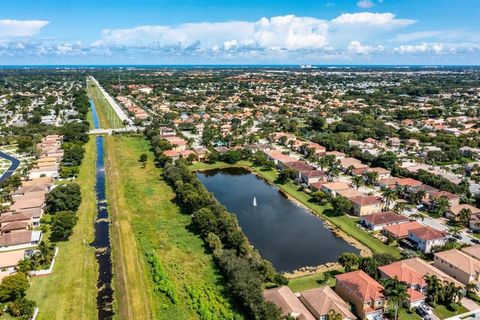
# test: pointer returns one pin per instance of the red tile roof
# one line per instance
(386, 217)
(362, 285)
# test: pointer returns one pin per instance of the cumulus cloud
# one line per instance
(424, 47)
(365, 4)
(20, 28)
(355, 47)
(379, 20)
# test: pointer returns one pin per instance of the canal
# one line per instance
(101, 242)
(287, 235)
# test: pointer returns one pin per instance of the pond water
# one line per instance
(102, 232)
(287, 235)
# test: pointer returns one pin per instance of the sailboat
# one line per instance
(254, 201)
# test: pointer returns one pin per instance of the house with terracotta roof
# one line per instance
(417, 286)
(452, 198)
(459, 265)
(337, 154)
(312, 176)
(382, 172)
(320, 302)
(333, 187)
(379, 220)
(349, 193)
(364, 205)
(400, 231)
(427, 237)
(362, 291)
(408, 184)
(394, 142)
(351, 163)
(454, 211)
(288, 303)
(412, 271)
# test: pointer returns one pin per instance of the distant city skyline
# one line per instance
(366, 32)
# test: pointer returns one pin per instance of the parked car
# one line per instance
(458, 236)
(476, 241)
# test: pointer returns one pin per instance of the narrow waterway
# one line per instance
(287, 235)
(102, 232)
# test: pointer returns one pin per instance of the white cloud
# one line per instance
(381, 20)
(424, 47)
(365, 4)
(20, 28)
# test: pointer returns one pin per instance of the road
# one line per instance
(115, 106)
(13, 166)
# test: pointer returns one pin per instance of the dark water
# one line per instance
(284, 233)
(102, 233)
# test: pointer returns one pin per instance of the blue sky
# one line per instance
(240, 32)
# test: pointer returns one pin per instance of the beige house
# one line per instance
(288, 302)
(362, 291)
(459, 265)
(320, 302)
(366, 205)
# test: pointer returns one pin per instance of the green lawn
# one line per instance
(108, 117)
(345, 223)
(145, 220)
(403, 314)
(314, 280)
(70, 291)
(442, 312)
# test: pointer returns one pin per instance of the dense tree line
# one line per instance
(243, 266)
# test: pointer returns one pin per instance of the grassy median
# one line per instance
(70, 291)
(145, 220)
(108, 117)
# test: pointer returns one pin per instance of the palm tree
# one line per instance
(349, 170)
(396, 292)
(471, 289)
(417, 216)
(333, 315)
(418, 196)
(357, 181)
(372, 176)
(333, 173)
(399, 207)
(388, 196)
(464, 216)
(452, 292)
(435, 288)
(441, 206)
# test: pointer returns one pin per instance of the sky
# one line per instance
(438, 32)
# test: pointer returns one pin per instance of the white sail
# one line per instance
(254, 201)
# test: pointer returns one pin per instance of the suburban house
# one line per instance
(427, 237)
(333, 187)
(400, 231)
(363, 292)
(394, 142)
(382, 172)
(312, 176)
(379, 220)
(278, 157)
(349, 193)
(403, 272)
(408, 184)
(337, 154)
(453, 199)
(454, 211)
(412, 271)
(459, 265)
(346, 163)
(288, 302)
(20, 239)
(320, 301)
(9, 261)
(364, 205)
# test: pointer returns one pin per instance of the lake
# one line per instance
(287, 235)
